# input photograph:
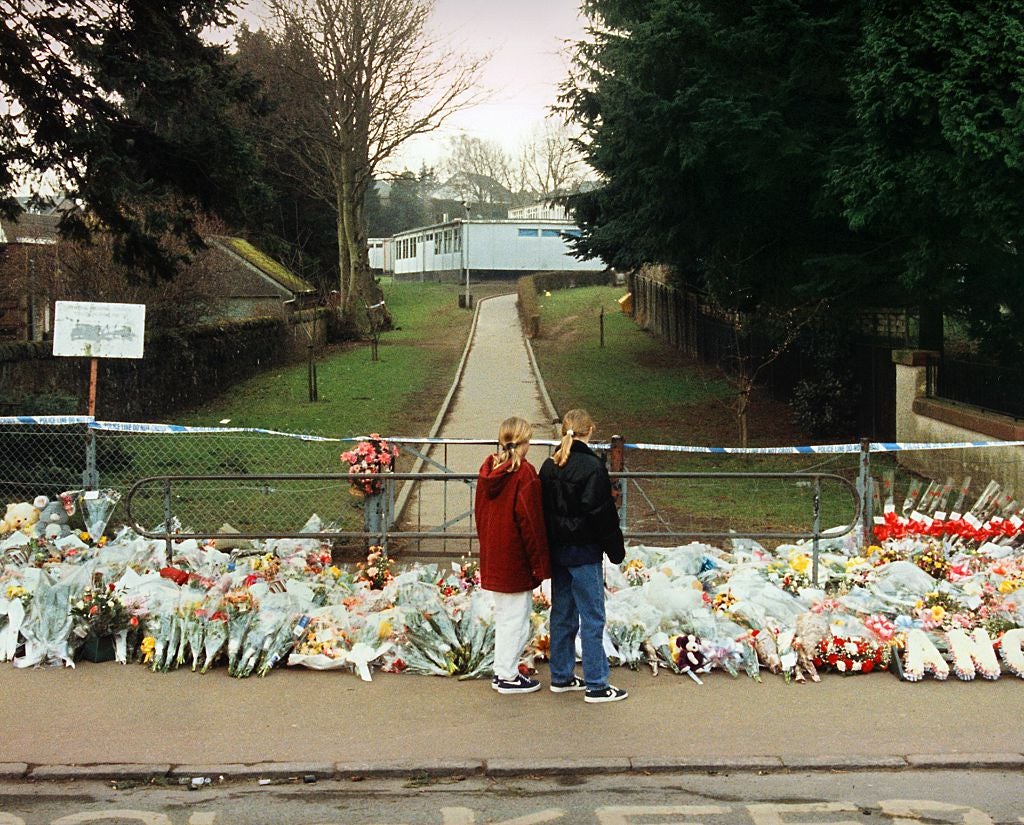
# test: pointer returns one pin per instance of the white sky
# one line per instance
(526, 39)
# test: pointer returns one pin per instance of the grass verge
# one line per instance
(641, 388)
(399, 394)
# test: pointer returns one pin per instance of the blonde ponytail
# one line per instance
(575, 424)
(513, 433)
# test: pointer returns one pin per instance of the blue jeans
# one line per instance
(577, 604)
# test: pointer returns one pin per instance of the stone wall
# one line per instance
(933, 420)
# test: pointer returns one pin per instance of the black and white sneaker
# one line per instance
(605, 694)
(494, 683)
(575, 683)
(521, 684)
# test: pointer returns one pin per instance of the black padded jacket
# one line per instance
(579, 510)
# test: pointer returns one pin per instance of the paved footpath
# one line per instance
(108, 720)
(497, 380)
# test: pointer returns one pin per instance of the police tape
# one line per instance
(812, 449)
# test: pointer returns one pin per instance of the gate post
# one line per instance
(617, 464)
(864, 488)
(373, 517)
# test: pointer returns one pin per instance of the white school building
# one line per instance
(505, 248)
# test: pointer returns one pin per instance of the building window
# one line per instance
(572, 233)
(457, 240)
(550, 233)
(528, 233)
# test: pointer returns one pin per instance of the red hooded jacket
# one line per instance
(509, 514)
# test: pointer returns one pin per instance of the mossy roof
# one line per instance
(267, 265)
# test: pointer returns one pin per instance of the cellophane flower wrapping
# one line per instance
(444, 637)
(97, 506)
(47, 626)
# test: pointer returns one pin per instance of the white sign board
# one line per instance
(96, 330)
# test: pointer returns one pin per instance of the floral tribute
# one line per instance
(377, 570)
(941, 604)
(851, 655)
(374, 455)
(100, 611)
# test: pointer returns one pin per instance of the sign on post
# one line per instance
(90, 329)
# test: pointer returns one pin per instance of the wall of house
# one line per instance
(922, 419)
(180, 368)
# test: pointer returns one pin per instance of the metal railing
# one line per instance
(380, 525)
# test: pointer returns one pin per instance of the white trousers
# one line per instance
(511, 631)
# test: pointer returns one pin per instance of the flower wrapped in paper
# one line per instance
(338, 637)
(444, 637)
(47, 626)
(97, 506)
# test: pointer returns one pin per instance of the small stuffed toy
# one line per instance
(20, 516)
(54, 517)
(687, 653)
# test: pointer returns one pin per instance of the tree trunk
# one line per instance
(359, 288)
(742, 407)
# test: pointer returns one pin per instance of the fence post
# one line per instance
(168, 520)
(817, 530)
(617, 464)
(90, 476)
(864, 489)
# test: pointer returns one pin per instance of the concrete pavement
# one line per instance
(109, 721)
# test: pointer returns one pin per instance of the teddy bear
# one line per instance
(21, 516)
(687, 653)
(54, 517)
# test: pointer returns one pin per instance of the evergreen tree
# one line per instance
(129, 110)
(936, 162)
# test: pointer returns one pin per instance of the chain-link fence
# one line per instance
(48, 456)
(240, 478)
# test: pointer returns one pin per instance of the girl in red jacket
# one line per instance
(514, 555)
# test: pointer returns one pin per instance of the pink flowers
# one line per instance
(373, 455)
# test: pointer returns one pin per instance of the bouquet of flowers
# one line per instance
(47, 626)
(374, 455)
(100, 611)
(241, 608)
(851, 654)
(13, 608)
(376, 571)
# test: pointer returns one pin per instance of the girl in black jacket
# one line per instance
(582, 525)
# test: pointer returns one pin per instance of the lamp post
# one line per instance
(465, 250)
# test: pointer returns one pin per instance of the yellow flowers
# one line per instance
(147, 647)
(16, 591)
(938, 613)
(855, 562)
(800, 562)
(385, 630)
(1007, 586)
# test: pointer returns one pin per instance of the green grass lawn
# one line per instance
(399, 394)
(641, 388)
